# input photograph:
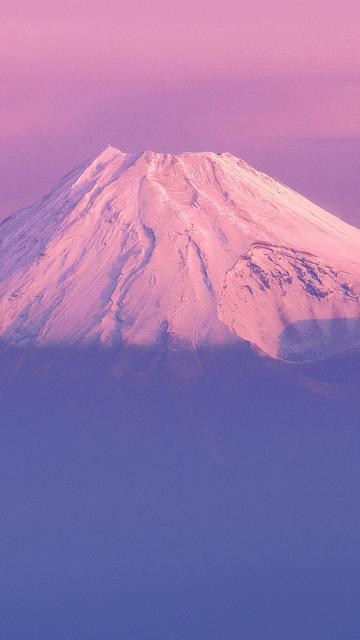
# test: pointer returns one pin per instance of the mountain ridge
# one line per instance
(200, 246)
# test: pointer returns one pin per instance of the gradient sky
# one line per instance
(274, 81)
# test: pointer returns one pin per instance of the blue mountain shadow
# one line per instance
(311, 340)
(157, 493)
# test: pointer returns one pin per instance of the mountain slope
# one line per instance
(200, 247)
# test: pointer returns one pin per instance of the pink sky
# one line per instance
(275, 81)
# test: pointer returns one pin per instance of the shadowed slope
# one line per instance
(158, 494)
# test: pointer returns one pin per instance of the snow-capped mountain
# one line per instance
(198, 247)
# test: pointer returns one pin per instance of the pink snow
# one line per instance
(197, 246)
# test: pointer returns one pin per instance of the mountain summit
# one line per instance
(196, 247)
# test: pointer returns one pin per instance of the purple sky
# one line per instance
(276, 82)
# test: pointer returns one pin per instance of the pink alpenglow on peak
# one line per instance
(198, 247)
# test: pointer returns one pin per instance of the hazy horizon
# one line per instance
(274, 83)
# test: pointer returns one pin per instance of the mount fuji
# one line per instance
(194, 249)
(179, 407)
